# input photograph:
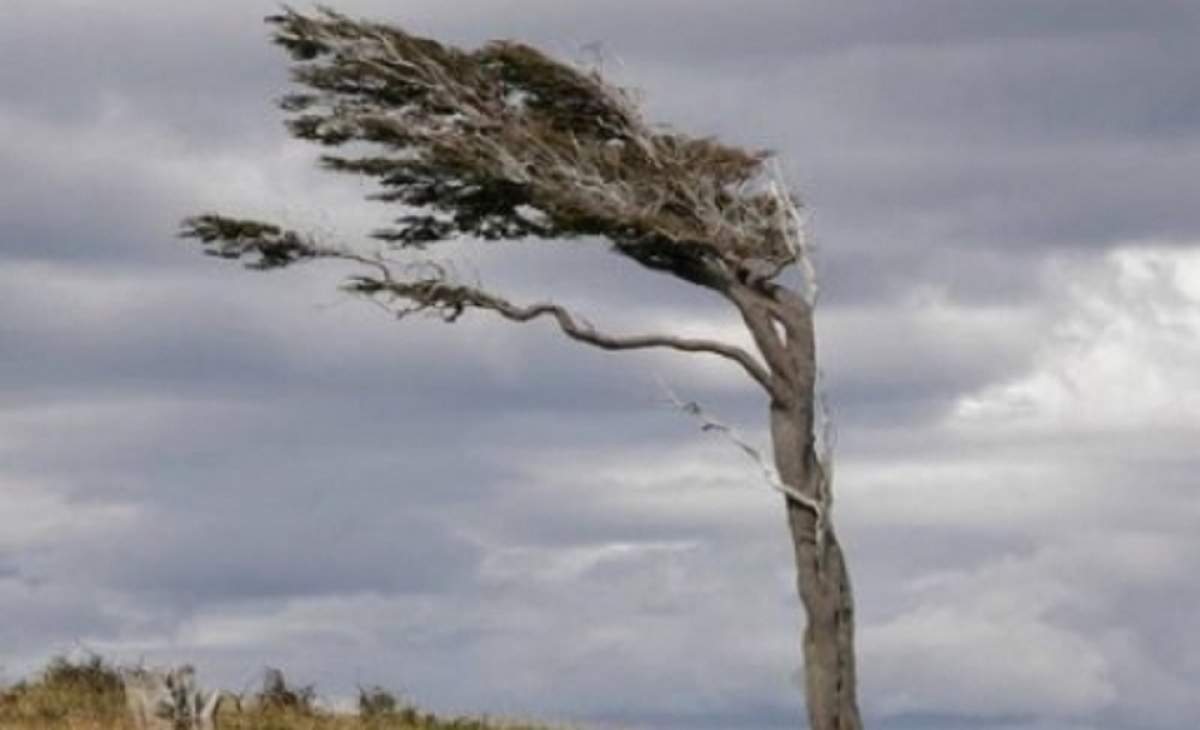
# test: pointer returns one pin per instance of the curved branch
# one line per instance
(586, 333)
(451, 300)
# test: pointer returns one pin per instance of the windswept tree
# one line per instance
(505, 143)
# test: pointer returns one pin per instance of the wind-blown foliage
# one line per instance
(504, 143)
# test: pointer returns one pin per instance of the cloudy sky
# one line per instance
(203, 464)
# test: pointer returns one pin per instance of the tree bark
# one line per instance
(822, 579)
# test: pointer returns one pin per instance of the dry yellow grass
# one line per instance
(88, 695)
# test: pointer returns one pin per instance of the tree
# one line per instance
(506, 143)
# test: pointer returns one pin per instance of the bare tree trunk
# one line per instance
(781, 323)
(822, 578)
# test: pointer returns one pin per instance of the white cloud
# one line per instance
(951, 659)
(980, 492)
(1037, 634)
(569, 563)
(1080, 468)
(35, 515)
(1123, 354)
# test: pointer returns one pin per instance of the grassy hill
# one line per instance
(88, 695)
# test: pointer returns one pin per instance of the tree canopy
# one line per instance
(505, 142)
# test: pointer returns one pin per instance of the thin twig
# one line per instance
(709, 424)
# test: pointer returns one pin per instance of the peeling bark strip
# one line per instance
(506, 143)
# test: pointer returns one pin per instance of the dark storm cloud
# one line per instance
(202, 70)
(916, 159)
(220, 555)
(46, 617)
(763, 30)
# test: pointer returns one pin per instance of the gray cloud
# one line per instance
(236, 469)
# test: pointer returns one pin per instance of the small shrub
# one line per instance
(65, 689)
(376, 702)
(276, 694)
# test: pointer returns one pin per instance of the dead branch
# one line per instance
(708, 424)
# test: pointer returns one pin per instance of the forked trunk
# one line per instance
(822, 578)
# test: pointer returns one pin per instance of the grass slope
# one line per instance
(88, 695)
